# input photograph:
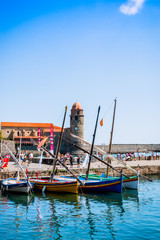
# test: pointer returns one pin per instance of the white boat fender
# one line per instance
(43, 189)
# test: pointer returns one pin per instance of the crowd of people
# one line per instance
(68, 158)
(25, 157)
(138, 156)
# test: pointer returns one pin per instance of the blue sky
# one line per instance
(53, 53)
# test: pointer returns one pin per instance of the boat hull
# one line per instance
(101, 186)
(11, 185)
(128, 183)
(55, 186)
(131, 183)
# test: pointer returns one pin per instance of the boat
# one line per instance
(98, 186)
(55, 185)
(12, 185)
(16, 184)
(128, 183)
(95, 185)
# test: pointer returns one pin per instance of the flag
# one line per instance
(101, 122)
(39, 137)
(42, 142)
(51, 140)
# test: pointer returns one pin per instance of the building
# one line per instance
(15, 131)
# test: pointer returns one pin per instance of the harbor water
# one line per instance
(130, 215)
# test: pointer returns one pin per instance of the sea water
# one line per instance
(130, 215)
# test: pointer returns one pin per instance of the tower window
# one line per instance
(17, 133)
(78, 112)
(71, 118)
(76, 118)
(7, 131)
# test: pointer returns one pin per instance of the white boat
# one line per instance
(14, 185)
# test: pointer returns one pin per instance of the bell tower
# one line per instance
(77, 126)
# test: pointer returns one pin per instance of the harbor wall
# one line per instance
(124, 148)
(11, 146)
(153, 169)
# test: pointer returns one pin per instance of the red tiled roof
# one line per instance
(32, 125)
(28, 137)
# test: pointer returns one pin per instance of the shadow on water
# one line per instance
(23, 199)
(131, 195)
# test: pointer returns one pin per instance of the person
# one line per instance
(78, 161)
(61, 159)
(144, 155)
(157, 155)
(22, 157)
(30, 157)
(139, 155)
(71, 160)
(118, 156)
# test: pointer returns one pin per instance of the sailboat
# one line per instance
(53, 185)
(128, 182)
(96, 185)
(16, 184)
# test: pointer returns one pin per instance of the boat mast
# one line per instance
(110, 144)
(91, 152)
(59, 145)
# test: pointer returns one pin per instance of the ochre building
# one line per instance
(27, 131)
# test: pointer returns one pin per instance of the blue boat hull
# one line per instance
(102, 186)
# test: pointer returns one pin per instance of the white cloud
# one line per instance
(131, 7)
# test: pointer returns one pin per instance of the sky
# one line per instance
(56, 52)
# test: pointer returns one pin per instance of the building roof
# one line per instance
(77, 105)
(27, 137)
(28, 125)
(55, 129)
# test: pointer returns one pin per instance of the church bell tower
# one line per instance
(77, 126)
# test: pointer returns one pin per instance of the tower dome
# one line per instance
(77, 105)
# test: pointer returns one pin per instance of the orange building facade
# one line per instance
(26, 131)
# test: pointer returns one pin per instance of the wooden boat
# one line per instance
(16, 184)
(98, 186)
(55, 186)
(12, 185)
(128, 183)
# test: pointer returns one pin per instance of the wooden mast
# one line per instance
(110, 144)
(91, 152)
(59, 145)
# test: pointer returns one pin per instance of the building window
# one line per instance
(71, 118)
(8, 132)
(76, 118)
(78, 112)
(27, 132)
(17, 133)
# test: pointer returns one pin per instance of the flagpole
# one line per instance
(59, 145)
(110, 144)
(91, 152)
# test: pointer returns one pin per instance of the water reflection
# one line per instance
(51, 215)
(18, 199)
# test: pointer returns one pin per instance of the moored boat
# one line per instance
(12, 185)
(55, 186)
(128, 183)
(98, 186)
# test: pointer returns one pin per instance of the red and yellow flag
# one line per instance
(42, 142)
(101, 122)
